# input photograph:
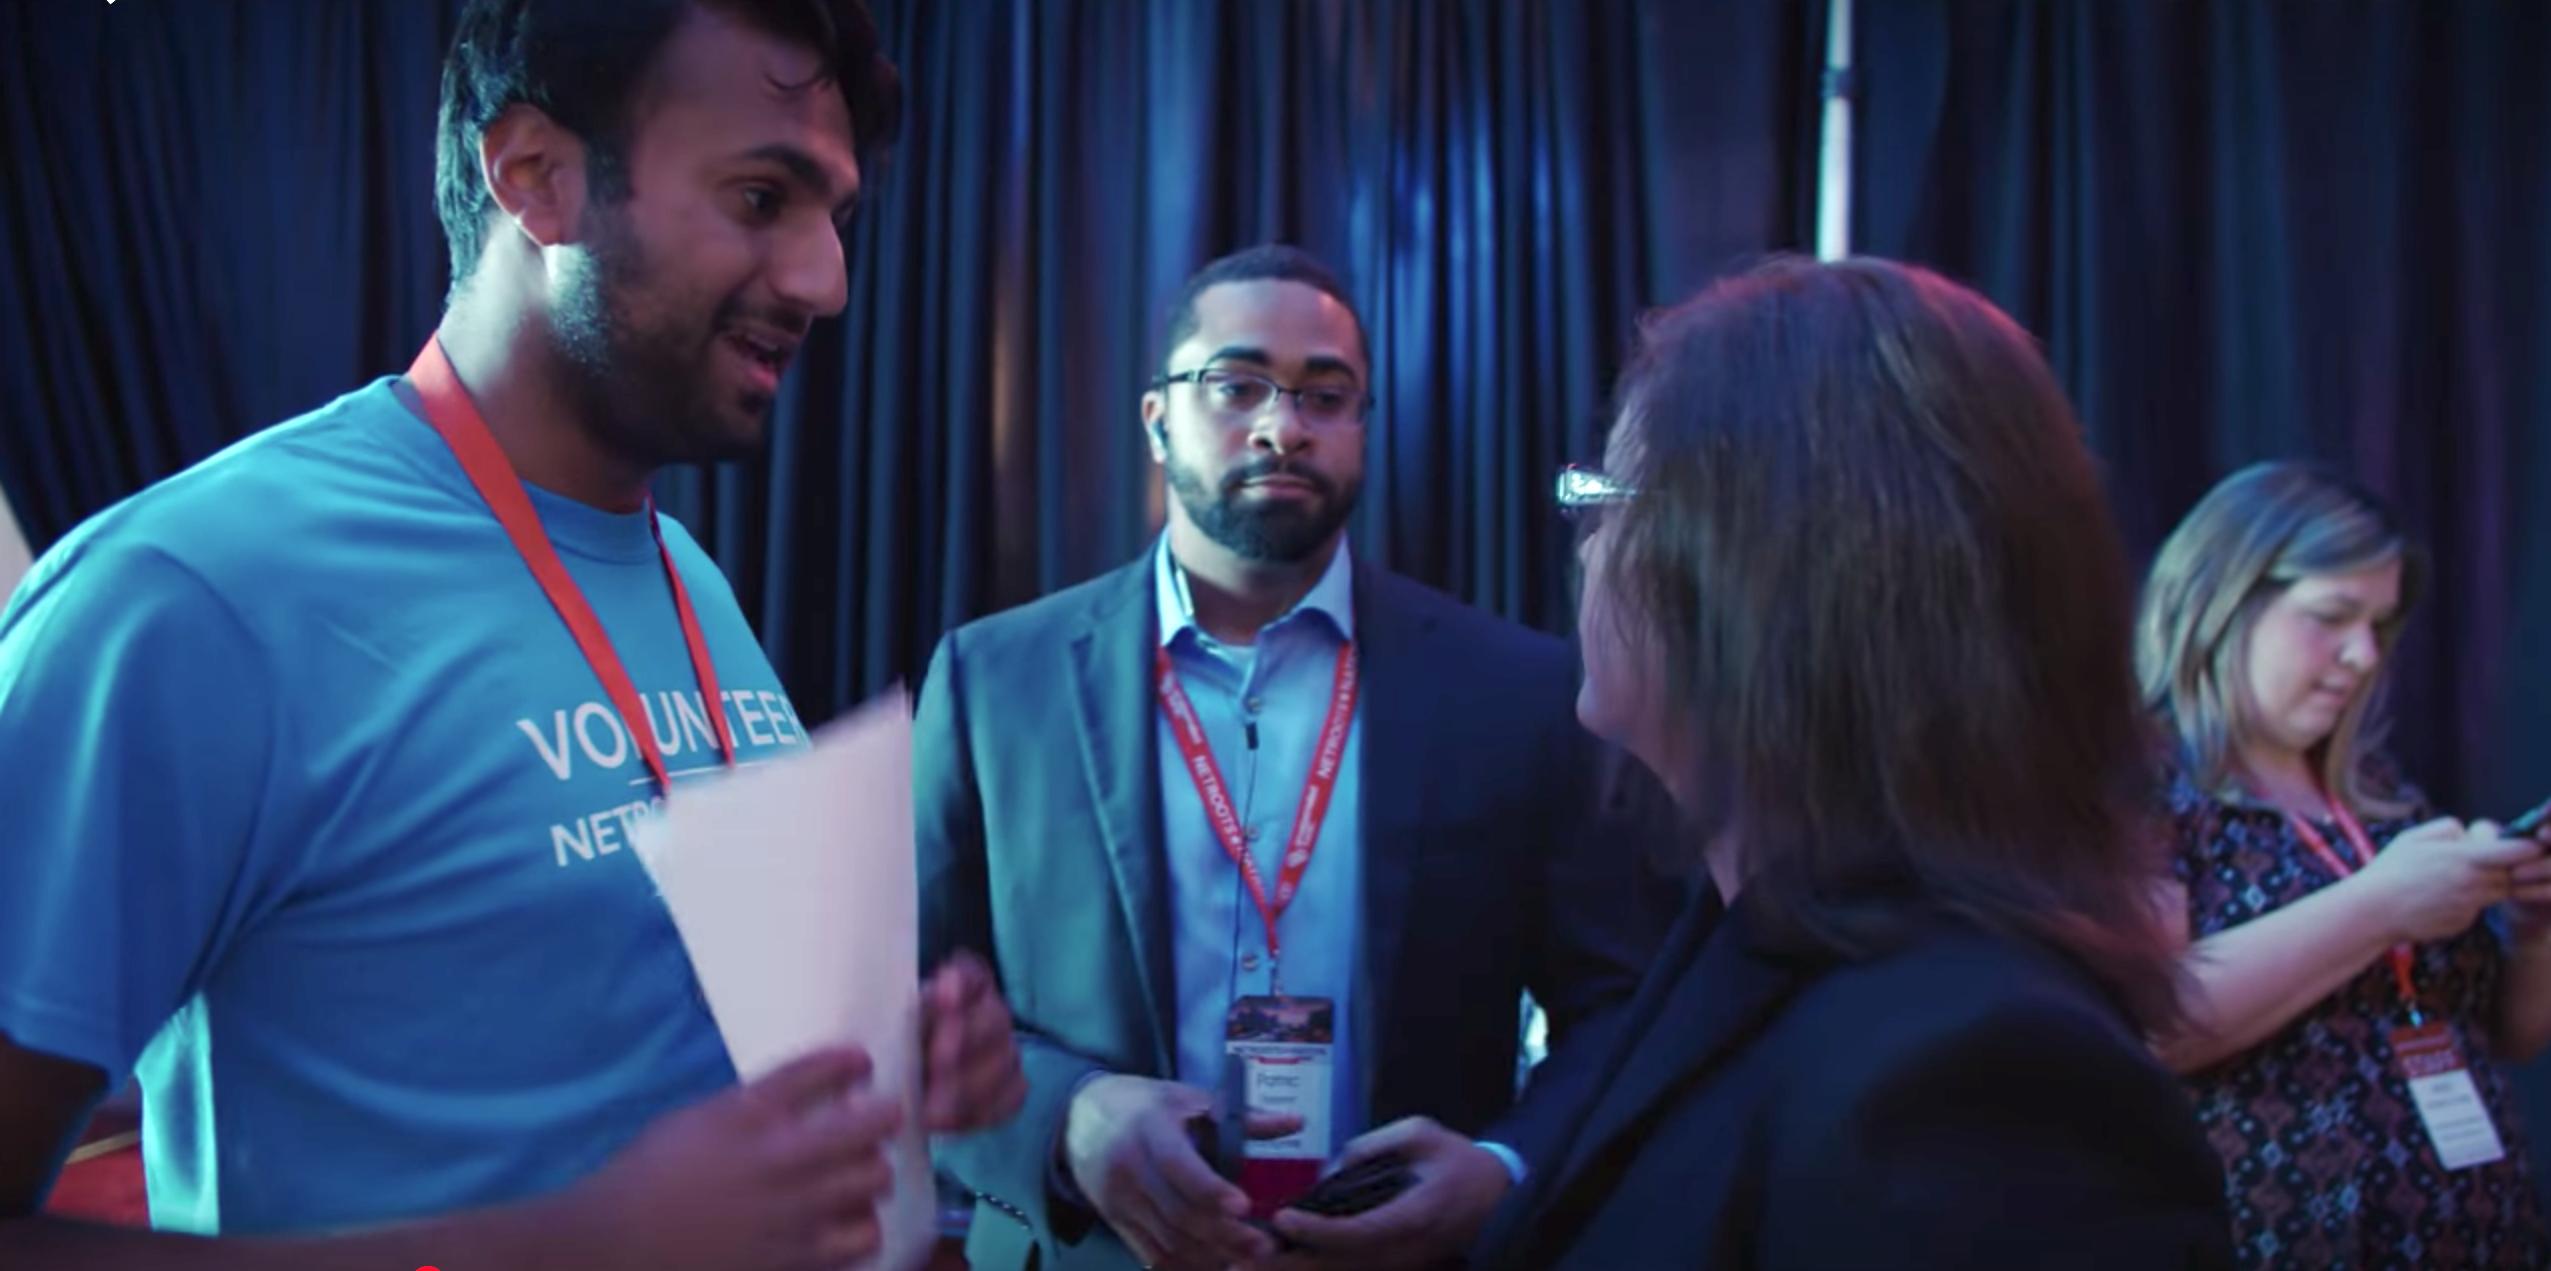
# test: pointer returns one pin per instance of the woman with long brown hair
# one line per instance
(1854, 594)
(2340, 953)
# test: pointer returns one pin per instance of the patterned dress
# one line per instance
(2325, 1160)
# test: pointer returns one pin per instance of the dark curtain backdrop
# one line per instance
(216, 216)
(2259, 230)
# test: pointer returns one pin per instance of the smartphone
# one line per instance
(1221, 1135)
(2530, 822)
(1352, 1191)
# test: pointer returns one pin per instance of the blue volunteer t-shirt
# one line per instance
(317, 814)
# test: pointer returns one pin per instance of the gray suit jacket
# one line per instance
(1497, 856)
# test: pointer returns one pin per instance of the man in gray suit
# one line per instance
(1253, 794)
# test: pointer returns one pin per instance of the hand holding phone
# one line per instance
(1412, 1193)
(2530, 821)
(1361, 1187)
(1130, 1148)
(2529, 882)
(1365, 1185)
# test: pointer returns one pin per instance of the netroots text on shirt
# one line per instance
(589, 736)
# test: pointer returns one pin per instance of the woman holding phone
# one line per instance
(2351, 1004)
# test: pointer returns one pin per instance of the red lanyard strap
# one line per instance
(2363, 847)
(449, 408)
(1215, 793)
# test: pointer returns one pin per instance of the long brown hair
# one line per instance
(2255, 534)
(1892, 610)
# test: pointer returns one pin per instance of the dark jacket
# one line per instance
(1968, 1100)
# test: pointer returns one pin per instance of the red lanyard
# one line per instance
(1216, 794)
(455, 416)
(2364, 849)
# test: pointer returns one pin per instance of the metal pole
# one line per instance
(1833, 170)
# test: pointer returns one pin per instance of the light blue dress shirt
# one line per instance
(1276, 693)
(1262, 706)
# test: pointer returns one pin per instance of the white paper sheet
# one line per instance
(792, 885)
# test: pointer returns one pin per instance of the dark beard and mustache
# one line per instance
(650, 389)
(1276, 531)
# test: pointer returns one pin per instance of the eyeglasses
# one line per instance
(1583, 490)
(1239, 396)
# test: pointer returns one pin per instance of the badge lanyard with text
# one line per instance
(449, 408)
(1308, 817)
(1284, 1045)
(2440, 1083)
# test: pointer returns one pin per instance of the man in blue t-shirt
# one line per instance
(320, 759)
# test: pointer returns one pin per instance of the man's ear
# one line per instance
(535, 171)
(1155, 407)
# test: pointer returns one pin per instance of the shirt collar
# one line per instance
(1333, 596)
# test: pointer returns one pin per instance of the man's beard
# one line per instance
(1279, 531)
(647, 388)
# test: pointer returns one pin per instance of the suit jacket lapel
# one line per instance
(1110, 668)
(1403, 704)
(1709, 992)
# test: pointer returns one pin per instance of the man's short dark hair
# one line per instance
(581, 63)
(1270, 262)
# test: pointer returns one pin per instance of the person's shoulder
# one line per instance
(2203, 822)
(2188, 803)
(1998, 1033)
(1515, 686)
(99, 578)
(240, 515)
(1120, 594)
(1985, 1067)
(2379, 773)
(1951, 985)
(1487, 635)
(215, 558)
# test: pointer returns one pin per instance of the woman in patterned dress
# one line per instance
(2325, 899)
